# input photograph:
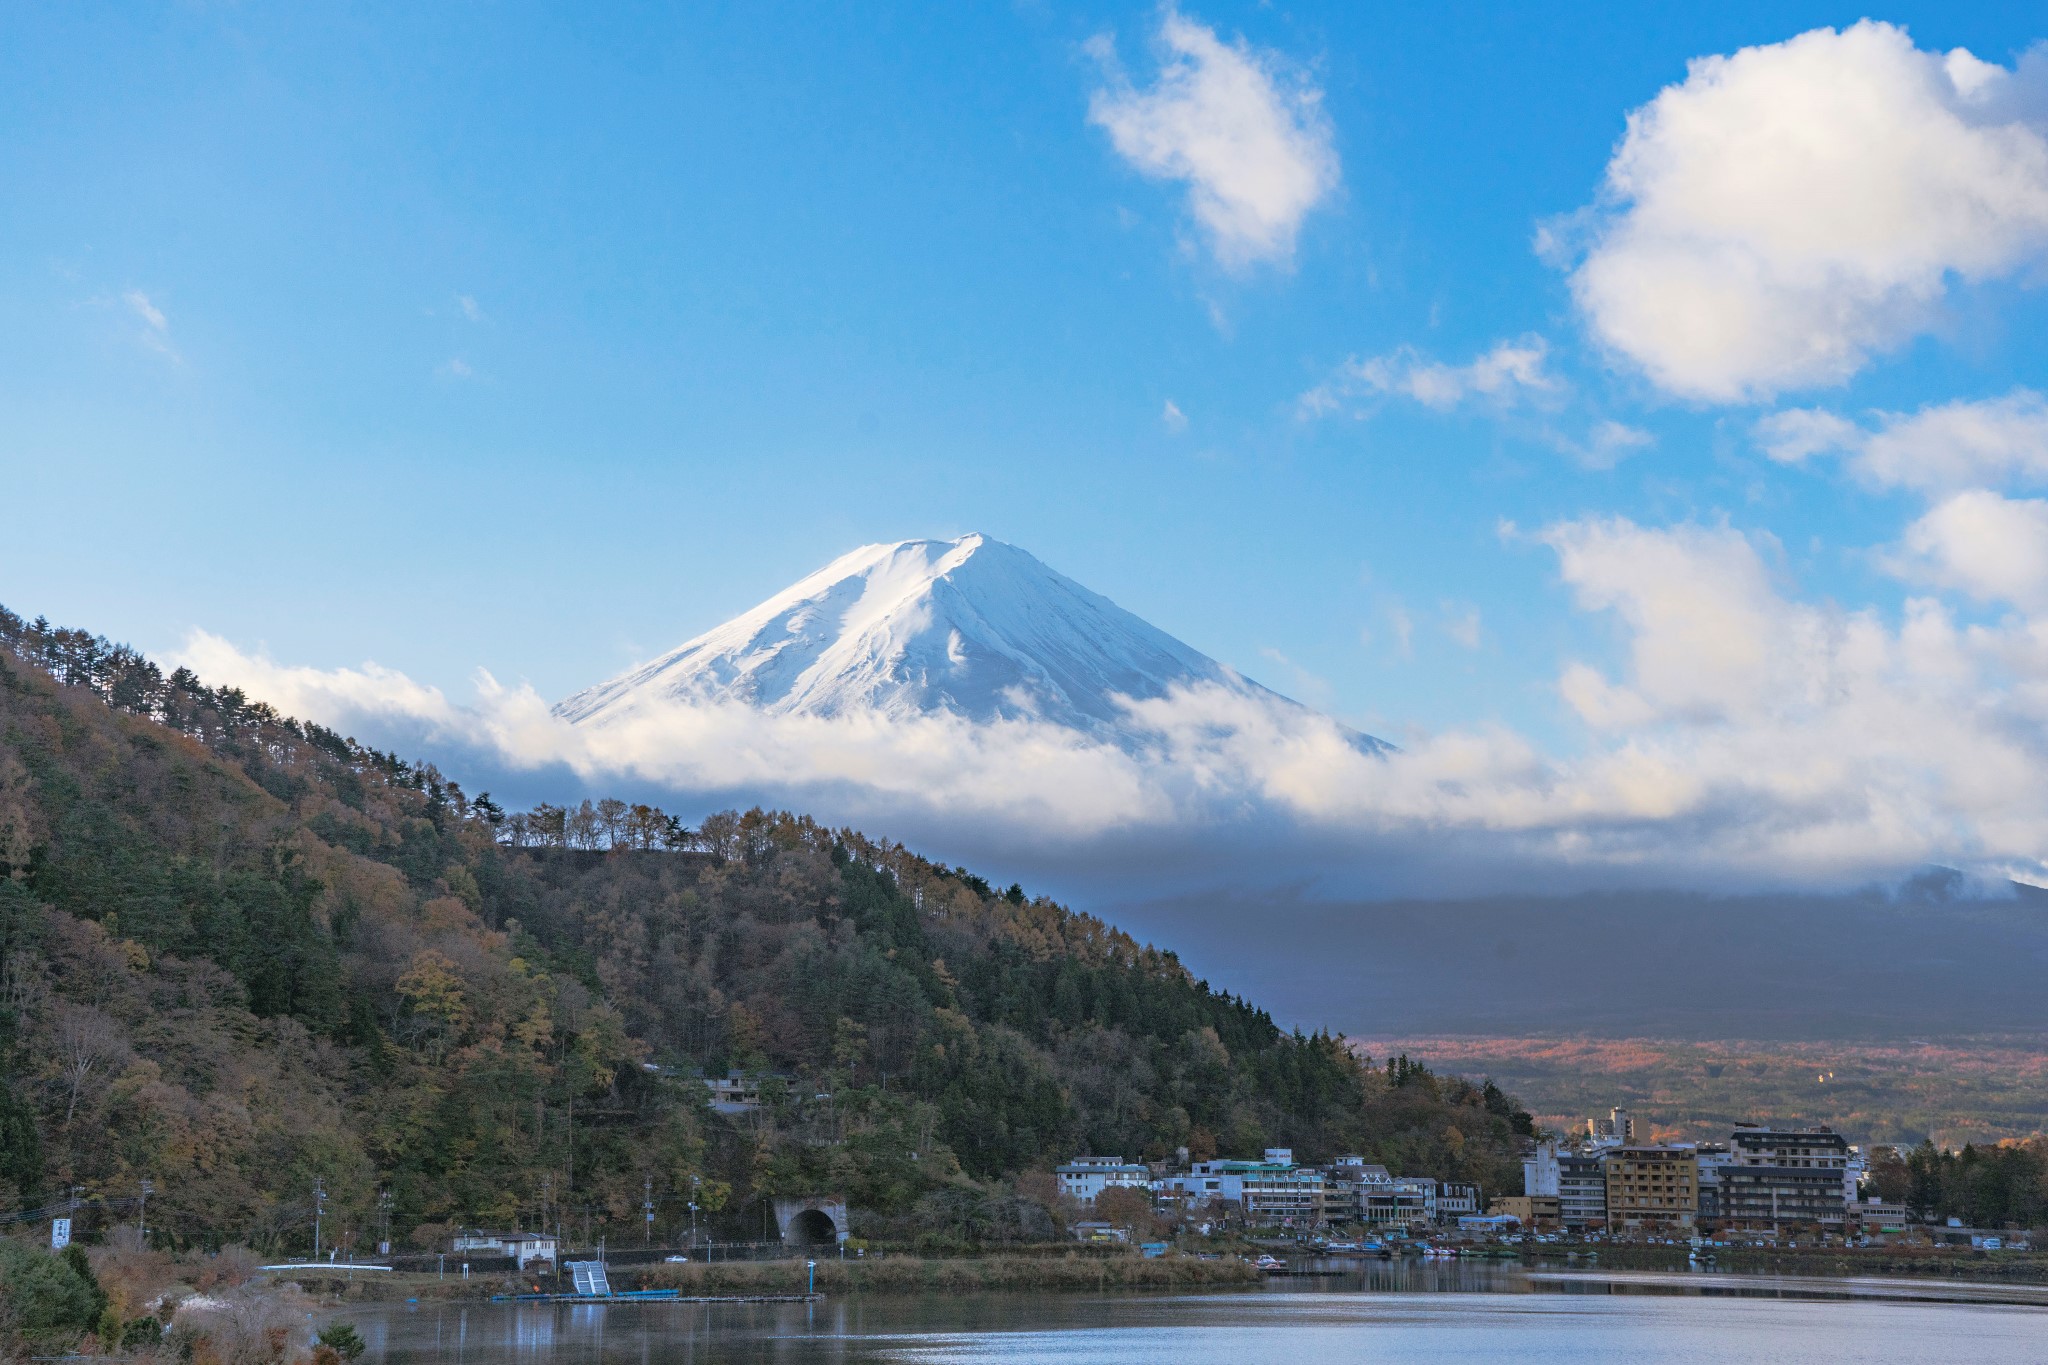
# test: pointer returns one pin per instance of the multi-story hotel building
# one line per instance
(1781, 1178)
(1652, 1189)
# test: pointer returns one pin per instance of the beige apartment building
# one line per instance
(1652, 1189)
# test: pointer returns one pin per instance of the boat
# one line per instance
(1270, 1265)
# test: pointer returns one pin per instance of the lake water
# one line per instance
(1427, 1314)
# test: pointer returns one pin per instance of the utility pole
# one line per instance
(148, 1189)
(647, 1206)
(695, 1181)
(384, 1208)
(319, 1207)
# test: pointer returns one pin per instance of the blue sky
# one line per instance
(541, 339)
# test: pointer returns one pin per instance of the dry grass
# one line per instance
(913, 1274)
(248, 1326)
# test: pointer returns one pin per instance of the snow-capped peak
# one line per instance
(971, 627)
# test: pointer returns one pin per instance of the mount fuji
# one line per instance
(970, 627)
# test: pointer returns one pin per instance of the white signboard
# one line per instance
(60, 1233)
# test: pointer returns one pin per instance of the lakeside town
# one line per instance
(1769, 1185)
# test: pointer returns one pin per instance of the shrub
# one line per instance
(343, 1339)
(50, 1299)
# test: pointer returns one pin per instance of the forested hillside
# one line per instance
(240, 954)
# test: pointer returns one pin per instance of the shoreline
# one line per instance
(736, 1280)
(739, 1281)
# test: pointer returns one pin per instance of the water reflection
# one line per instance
(1425, 1312)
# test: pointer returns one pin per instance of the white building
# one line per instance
(1425, 1189)
(1853, 1170)
(522, 1247)
(1085, 1177)
(1618, 1129)
(1455, 1200)
(1272, 1191)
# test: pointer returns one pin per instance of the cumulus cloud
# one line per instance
(1510, 370)
(1797, 434)
(1242, 130)
(1743, 735)
(1979, 543)
(1996, 441)
(2000, 440)
(1801, 732)
(1972, 539)
(1782, 214)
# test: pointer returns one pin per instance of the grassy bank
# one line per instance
(915, 1274)
(871, 1275)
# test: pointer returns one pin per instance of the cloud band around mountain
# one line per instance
(1746, 738)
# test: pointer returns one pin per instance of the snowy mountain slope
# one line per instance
(971, 627)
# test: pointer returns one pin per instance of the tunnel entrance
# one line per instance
(813, 1227)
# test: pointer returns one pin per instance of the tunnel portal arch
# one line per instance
(816, 1221)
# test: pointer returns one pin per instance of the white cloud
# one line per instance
(1245, 133)
(1797, 434)
(457, 368)
(1801, 734)
(1942, 447)
(2000, 440)
(1695, 601)
(1606, 445)
(156, 327)
(1172, 418)
(1461, 624)
(470, 308)
(1783, 213)
(139, 303)
(1056, 780)
(1990, 547)
(1511, 370)
(1744, 737)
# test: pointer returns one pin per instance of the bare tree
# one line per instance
(87, 1041)
(611, 818)
(580, 827)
